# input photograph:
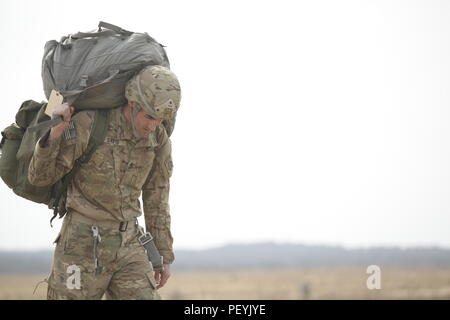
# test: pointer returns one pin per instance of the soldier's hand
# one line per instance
(161, 276)
(66, 112)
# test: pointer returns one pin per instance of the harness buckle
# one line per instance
(123, 226)
(145, 238)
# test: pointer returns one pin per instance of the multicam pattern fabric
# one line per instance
(126, 272)
(157, 90)
(108, 187)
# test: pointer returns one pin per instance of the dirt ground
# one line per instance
(317, 283)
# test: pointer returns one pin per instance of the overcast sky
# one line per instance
(316, 122)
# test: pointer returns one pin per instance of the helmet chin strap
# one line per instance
(134, 112)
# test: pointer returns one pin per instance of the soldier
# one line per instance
(98, 249)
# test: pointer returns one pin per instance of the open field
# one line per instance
(317, 283)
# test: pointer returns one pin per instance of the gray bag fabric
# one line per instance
(91, 69)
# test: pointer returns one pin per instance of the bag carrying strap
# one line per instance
(110, 30)
(115, 28)
(96, 138)
(71, 96)
(98, 135)
(82, 35)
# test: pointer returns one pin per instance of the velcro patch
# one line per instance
(70, 132)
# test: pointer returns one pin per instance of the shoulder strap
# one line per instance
(96, 138)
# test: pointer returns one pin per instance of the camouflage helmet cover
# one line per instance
(156, 90)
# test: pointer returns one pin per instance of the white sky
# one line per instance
(320, 122)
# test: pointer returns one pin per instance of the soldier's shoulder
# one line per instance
(84, 119)
(84, 116)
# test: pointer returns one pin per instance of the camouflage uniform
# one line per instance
(104, 192)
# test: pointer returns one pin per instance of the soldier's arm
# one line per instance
(155, 197)
(56, 151)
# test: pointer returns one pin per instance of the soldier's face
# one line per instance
(145, 124)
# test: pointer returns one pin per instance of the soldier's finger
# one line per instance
(157, 276)
(159, 286)
(161, 283)
(69, 112)
(164, 278)
(63, 110)
(59, 110)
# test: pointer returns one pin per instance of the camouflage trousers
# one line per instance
(122, 270)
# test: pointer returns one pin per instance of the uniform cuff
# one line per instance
(168, 256)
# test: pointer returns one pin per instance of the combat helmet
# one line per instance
(157, 90)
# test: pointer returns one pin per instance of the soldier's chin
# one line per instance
(147, 132)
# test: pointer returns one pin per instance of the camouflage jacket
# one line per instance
(108, 187)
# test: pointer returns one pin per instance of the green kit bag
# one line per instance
(16, 151)
(17, 148)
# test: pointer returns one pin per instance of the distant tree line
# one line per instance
(263, 255)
